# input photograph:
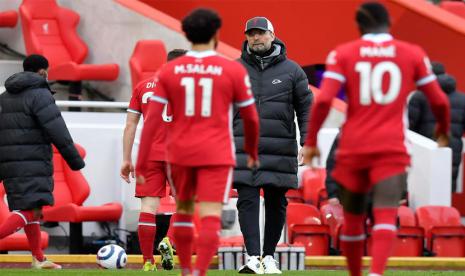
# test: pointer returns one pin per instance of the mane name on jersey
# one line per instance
(377, 51)
(198, 69)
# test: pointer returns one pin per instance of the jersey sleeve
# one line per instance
(243, 95)
(334, 67)
(135, 104)
(160, 94)
(423, 68)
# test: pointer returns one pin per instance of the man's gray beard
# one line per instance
(260, 51)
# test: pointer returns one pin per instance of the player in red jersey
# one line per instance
(155, 186)
(378, 73)
(201, 88)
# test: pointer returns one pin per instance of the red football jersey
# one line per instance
(138, 104)
(378, 74)
(201, 88)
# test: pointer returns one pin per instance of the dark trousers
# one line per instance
(248, 205)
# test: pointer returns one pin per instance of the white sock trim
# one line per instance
(21, 215)
(347, 238)
(374, 274)
(385, 226)
(147, 224)
(183, 224)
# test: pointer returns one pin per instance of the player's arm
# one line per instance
(329, 89)
(152, 120)
(251, 132)
(244, 100)
(441, 109)
(132, 120)
(426, 82)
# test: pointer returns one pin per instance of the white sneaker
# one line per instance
(253, 266)
(270, 265)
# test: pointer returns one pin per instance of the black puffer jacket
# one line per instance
(280, 87)
(422, 121)
(29, 123)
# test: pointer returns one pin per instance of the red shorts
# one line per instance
(155, 181)
(206, 184)
(359, 173)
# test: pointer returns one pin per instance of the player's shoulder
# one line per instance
(229, 65)
(411, 48)
(144, 84)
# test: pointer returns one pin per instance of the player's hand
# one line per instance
(442, 139)
(300, 157)
(127, 168)
(252, 163)
(333, 201)
(140, 179)
(309, 153)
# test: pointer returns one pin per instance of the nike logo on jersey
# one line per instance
(276, 81)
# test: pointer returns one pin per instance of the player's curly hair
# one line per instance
(175, 53)
(201, 25)
(372, 15)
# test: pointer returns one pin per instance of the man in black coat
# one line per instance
(30, 123)
(421, 119)
(280, 87)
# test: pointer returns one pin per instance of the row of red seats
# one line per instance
(71, 189)
(435, 228)
(51, 30)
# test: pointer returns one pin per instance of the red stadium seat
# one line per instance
(410, 237)
(455, 7)
(445, 235)
(148, 56)
(8, 19)
(50, 30)
(333, 216)
(313, 184)
(71, 190)
(295, 195)
(305, 227)
(17, 241)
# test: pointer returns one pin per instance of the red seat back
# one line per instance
(431, 216)
(406, 216)
(70, 186)
(299, 213)
(50, 30)
(148, 56)
(313, 182)
(455, 7)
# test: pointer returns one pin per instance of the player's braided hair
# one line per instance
(372, 15)
(201, 25)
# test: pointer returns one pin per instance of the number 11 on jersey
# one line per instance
(207, 88)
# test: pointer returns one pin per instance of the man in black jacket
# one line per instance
(280, 88)
(422, 121)
(30, 123)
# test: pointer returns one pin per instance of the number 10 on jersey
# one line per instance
(371, 82)
(207, 88)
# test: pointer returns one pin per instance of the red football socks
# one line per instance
(352, 241)
(32, 231)
(146, 231)
(183, 232)
(384, 234)
(207, 243)
(16, 221)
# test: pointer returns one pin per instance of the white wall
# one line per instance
(111, 32)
